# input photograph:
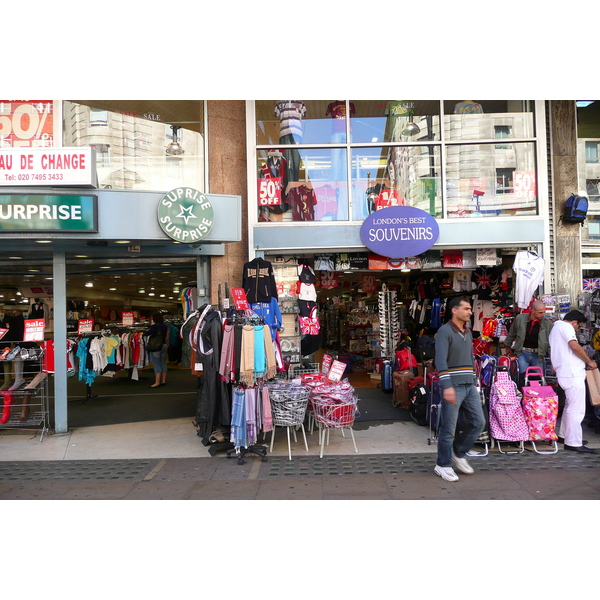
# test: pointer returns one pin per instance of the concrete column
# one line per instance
(227, 175)
(567, 236)
(59, 285)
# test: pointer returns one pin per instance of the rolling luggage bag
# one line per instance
(540, 408)
(507, 422)
(401, 388)
(434, 409)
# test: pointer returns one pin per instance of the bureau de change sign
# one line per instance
(399, 231)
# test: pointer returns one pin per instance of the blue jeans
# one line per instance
(528, 359)
(159, 360)
(468, 403)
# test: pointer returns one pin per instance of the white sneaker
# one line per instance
(446, 473)
(462, 465)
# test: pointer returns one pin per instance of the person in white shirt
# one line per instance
(569, 360)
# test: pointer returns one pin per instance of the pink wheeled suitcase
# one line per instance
(507, 422)
(540, 407)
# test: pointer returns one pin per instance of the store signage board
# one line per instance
(3, 332)
(399, 231)
(41, 212)
(48, 167)
(326, 363)
(34, 330)
(185, 215)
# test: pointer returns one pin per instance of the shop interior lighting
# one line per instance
(43, 241)
(122, 242)
(411, 127)
(89, 284)
(174, 148)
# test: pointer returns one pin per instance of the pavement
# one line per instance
(166, 460)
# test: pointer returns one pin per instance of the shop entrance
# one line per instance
(112, 292)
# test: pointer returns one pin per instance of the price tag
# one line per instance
(85, 325)
(34, 330)
(269, 191)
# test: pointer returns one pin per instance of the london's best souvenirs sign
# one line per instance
(399, 231)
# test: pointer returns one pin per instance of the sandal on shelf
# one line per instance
(5, 353)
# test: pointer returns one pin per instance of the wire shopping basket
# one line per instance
(288, 409)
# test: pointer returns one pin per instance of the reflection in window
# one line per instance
(302, 185)
(131, 145)
(395, 176)
(483, 181)
(478, 119)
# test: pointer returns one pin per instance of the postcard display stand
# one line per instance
(26, 407)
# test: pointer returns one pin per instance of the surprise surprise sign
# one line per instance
(399, 231)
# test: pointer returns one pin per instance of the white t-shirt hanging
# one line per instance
(462, 281)
(307, 291)
(529, 274)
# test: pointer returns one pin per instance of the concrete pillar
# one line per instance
(567, 236)
(227, 175)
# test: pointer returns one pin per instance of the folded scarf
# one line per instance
(247, 359)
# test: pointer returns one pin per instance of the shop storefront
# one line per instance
(109, 226)
(324, 168)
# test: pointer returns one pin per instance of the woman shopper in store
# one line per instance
(159, 356)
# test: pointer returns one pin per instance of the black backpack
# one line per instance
(155, 342)
(576, 209)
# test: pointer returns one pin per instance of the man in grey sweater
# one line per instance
(454, 363)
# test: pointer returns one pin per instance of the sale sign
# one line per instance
(34, 330)
(269, 191)
(85, 325)
(3, 332)
(326, 364)
(337, 371)
(127, 318)
(524, 184)
(239, 298)
(26, 123)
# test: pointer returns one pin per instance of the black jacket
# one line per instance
(258, 281)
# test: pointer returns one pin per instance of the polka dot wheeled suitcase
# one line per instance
(540, 408)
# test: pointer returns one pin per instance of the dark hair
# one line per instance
(455, 303)
(575, 315)
(157, 318)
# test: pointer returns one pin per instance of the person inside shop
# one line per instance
(528, 338)
(455, 364)
(569, 360)
(159, 357)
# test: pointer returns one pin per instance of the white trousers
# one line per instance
(574, 410)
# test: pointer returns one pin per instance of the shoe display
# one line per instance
(5, 353)
(25, 354)
(11, 355)
(446, 473)
(462, 465)
(584, 449)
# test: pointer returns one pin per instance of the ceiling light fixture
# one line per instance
(411, 127)
(174, 148)
(122, 242)
(89, 284)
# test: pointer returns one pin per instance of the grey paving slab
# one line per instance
(97, 490)
(161, 490)
(421, 487)
(36, 491)
(295, 488)
(356, 488)
(225, 490)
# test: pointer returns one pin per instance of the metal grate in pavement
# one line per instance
(419, 464)
(76, 470)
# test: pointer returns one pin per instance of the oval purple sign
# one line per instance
(399, 231)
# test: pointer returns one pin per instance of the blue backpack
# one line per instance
(575, 209)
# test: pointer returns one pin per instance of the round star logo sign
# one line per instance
(185, 215)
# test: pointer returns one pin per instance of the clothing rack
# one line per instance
(88, 387)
